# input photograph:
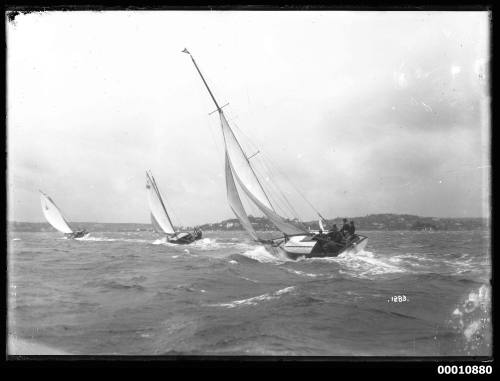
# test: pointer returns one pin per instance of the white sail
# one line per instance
(53, 215)
(157, 207)
(235, 201)
(241, 169)
(156, 225)
(276, 219)
(241, 165)
(248, 181)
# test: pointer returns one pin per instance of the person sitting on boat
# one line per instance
(345, 228)
(352, 228)
(320, 236)
(197, 233)
(334, 234)
(351, 236)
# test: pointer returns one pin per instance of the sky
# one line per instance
(365, 112)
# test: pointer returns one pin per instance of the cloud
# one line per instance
(362, 111)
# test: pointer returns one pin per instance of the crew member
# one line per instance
(334, 234)
(352, 228)
(345, 228)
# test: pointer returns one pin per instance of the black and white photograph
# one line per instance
(249, 183)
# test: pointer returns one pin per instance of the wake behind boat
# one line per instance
(162, 224)
(242, 180)
(55, 218)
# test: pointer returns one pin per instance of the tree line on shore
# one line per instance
(369, 222)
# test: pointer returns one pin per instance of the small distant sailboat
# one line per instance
(162, 224)
(241, 179)
(56, 219)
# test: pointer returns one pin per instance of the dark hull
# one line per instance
(329, 249)
(186, 240)
(78, 234)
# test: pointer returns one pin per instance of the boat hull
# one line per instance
(184, 238)
(302, 246)
(78, 234)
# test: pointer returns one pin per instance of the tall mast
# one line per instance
(222, 113)
(201, 75)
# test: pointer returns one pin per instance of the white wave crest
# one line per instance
(302, 273)
(163, 241)
(256, 299)
(260, 254)
(363, 264)
(104, 239)
(206, 244)
(98, 239)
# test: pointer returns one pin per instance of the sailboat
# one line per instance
(160, 219)
(241, 179)
(54, 217)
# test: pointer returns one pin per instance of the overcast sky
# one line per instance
(368, 112)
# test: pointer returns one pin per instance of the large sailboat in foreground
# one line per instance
(55, 218)
(160, 219)
(242, 179)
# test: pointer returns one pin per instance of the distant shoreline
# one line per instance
(373, 222)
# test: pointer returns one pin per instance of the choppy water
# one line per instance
(132, 293)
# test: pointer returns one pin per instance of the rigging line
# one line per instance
(298, 191)
(267, 165)
(172, 210)
(174, 214)
(285, 206)
(277, 194)
(283, 174)
(287, 201)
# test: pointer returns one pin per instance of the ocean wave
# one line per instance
(163, 241)
(260, 254)
(105, 239)
(363, 264)
(206, 244)
(423, 262)
(302, 273)
(256, 299)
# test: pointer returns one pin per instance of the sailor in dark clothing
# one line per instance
(335, 241)
(334, 234)
(350, 235)
(197, 233)
(345, 228)
(352, 228)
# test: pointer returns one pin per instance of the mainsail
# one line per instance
(157, 207)
(156, 225)
(238, 168)
(53, 215)
(235, 201)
